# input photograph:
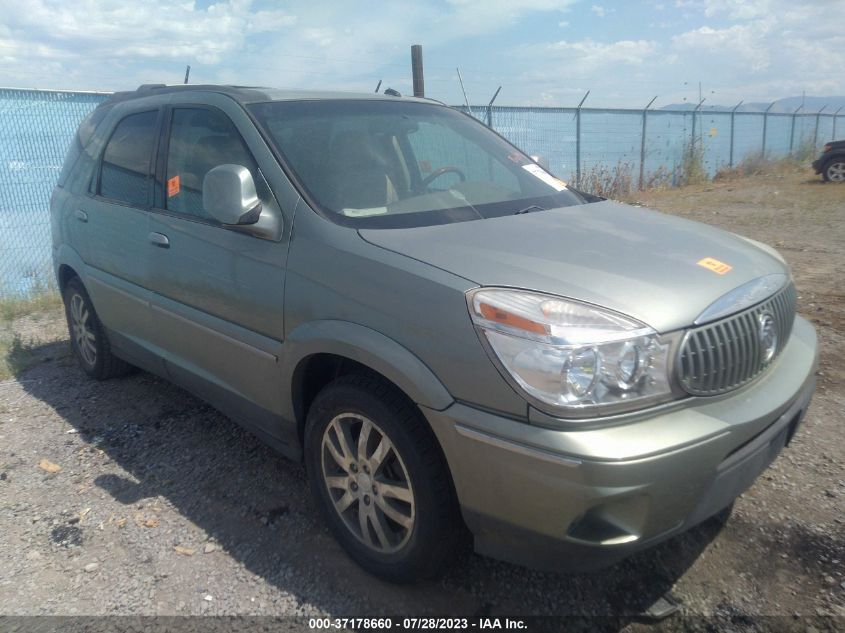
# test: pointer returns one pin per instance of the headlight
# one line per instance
(571, 359)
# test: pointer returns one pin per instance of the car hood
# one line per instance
(636, 261)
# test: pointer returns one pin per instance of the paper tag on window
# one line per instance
(363, 213)
(538, 172)
(173, 186)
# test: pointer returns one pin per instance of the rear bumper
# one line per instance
(564, 498)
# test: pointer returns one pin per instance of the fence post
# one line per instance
(490, 108)
(578, 140)
(765, 126)
(731, 155)
(816, 130)
(792, 130)
(642, 144)
(692, 144)
(834, 123)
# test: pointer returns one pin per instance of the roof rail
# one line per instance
(148, 87)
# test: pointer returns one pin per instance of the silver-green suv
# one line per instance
(446, 334)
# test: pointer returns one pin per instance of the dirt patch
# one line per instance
(164, 506)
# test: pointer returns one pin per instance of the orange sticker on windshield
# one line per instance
(720, 268)
(173, 186)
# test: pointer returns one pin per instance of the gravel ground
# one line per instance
(133, 497)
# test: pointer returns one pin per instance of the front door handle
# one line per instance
(159, 239)
(81, 215)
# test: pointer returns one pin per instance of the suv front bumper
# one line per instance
(551, 495)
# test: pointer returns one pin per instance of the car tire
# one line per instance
(834, 169)
(399, 493)
(88, 338)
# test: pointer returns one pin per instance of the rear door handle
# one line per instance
(81, 215)
(159, 239)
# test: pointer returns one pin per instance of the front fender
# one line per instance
(370, 348)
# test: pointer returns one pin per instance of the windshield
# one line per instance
(377, 163)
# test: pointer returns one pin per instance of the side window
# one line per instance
(436, 146)
(200, 139)
(125, 172)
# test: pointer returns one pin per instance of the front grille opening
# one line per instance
(726, 354)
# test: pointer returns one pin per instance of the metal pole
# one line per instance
(816, 131)
(490, 108)
(733, 113)
(792, 130)
(578, 140)
(642, 143)
(187, 73)
(692, 145)
(378, 85)
(417, 70)
(834, 123)
(466, 101)
(765, 125)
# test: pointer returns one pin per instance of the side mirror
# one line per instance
(228, 195)
(542, 161)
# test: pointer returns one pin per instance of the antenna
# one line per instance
(378, 85)
(187, 73)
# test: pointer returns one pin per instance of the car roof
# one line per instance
(254, 94)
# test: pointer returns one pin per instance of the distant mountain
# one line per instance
(787, 104)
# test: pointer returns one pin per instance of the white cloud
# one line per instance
(114, 44)
(151, 29)
(738, 10)
(589, 55)
(740, 43)
(752, 50)
(771, 48)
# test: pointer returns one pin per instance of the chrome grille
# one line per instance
(724, 355)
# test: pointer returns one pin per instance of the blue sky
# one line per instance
(542, 52)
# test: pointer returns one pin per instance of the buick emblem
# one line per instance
(767, 333)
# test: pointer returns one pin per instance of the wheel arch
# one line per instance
(64, 274)
(318, 352)
(68, 264)
(835, 157)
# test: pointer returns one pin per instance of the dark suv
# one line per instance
(831, 163)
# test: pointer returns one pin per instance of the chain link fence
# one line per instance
(36, 127)
(585, 146)
(652, 147)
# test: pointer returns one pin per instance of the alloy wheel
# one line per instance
(836, 171)
(368, 482)
(83, 333)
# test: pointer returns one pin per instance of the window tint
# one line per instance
(393, 163)
(126, 161)
(200, 139)
(437, 147)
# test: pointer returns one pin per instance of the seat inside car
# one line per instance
(217, 144)
(357, 176)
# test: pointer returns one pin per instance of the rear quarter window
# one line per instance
(80, 141)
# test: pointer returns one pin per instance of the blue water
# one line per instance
(36, 128)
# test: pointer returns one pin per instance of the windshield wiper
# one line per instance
(530, 209)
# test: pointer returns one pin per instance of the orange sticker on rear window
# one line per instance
(720, 268)
(173, 186)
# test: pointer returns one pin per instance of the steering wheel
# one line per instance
(439, 172)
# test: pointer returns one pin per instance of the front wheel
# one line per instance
(834, 170)
(380, 480)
